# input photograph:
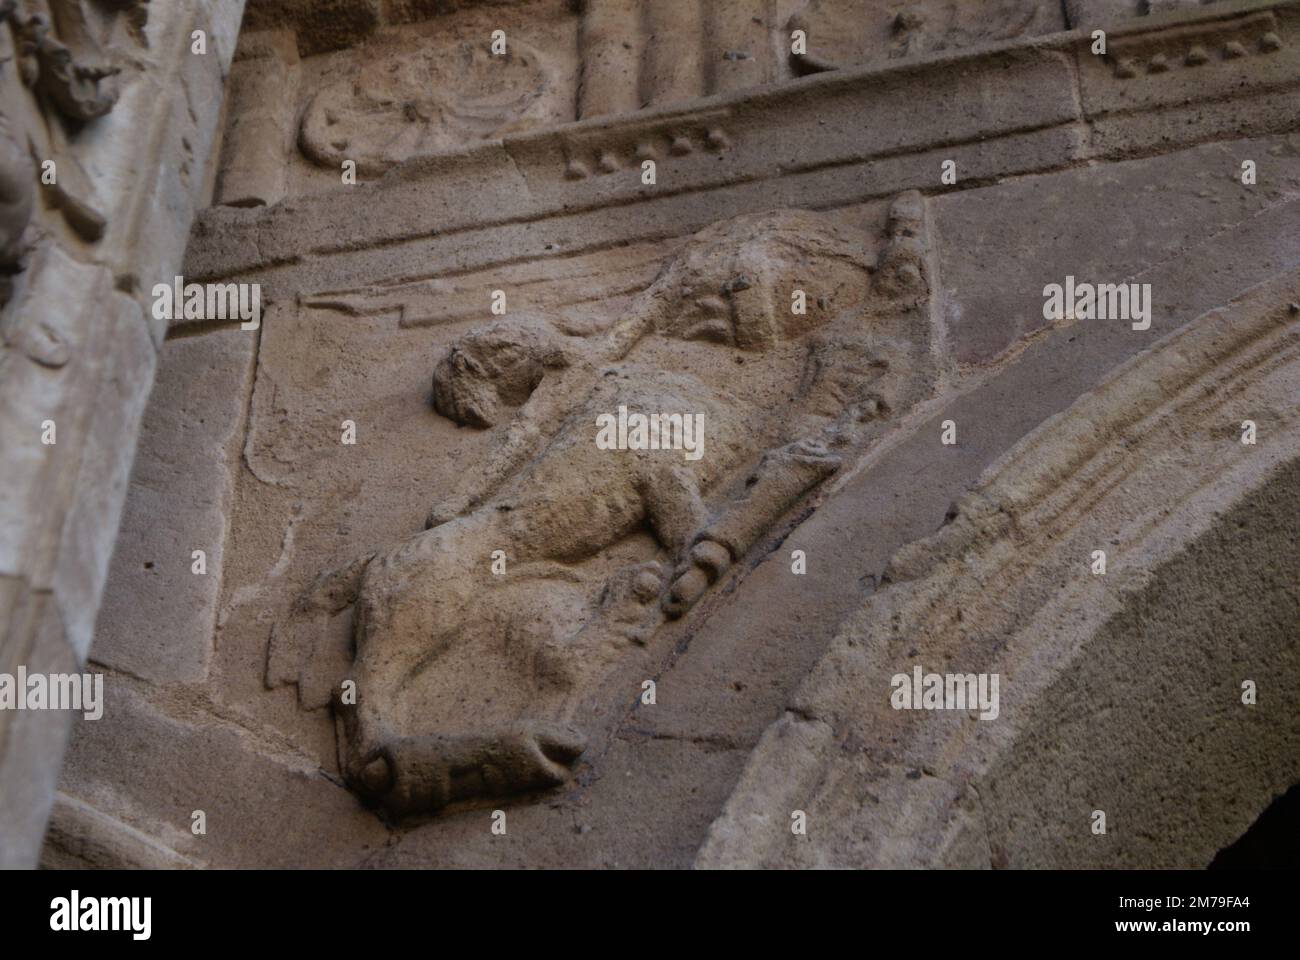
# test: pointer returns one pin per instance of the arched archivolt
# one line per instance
(1119, 692)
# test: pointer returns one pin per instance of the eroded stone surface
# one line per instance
(106, 119)
(386, 432)
(159, 613)
(993, 590)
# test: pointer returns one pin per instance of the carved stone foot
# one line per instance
(630, 603)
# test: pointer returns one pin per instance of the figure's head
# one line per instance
(487, 371)
(901, 275)
(736, 282)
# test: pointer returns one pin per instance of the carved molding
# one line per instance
(989, 592)
(1200, 46)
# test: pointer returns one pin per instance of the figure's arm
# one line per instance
(570, 374)
(782, 477)
(846, 371)
(531, 428)
(642, 317)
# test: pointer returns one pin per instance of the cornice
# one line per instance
(849, 136)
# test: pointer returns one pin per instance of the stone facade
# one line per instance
(110, 113)
(384, 596)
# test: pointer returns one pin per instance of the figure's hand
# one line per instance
(447, 510)
(708, 561)
(815, 454)
(686, 590)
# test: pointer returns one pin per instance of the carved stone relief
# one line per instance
(61, 51)
(461, 600)
(1179, 51)
(469, 680)
(17, 193)
(422, 101)
(837, 38)
(433, 84)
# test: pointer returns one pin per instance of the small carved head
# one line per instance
(735, 282)
(488, 371)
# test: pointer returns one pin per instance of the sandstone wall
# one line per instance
(525, 176)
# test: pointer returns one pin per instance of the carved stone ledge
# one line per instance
(1191, 47)
(626, 150)
(780, 137)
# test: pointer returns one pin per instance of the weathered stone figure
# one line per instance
(466, 677)
(16, 201)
